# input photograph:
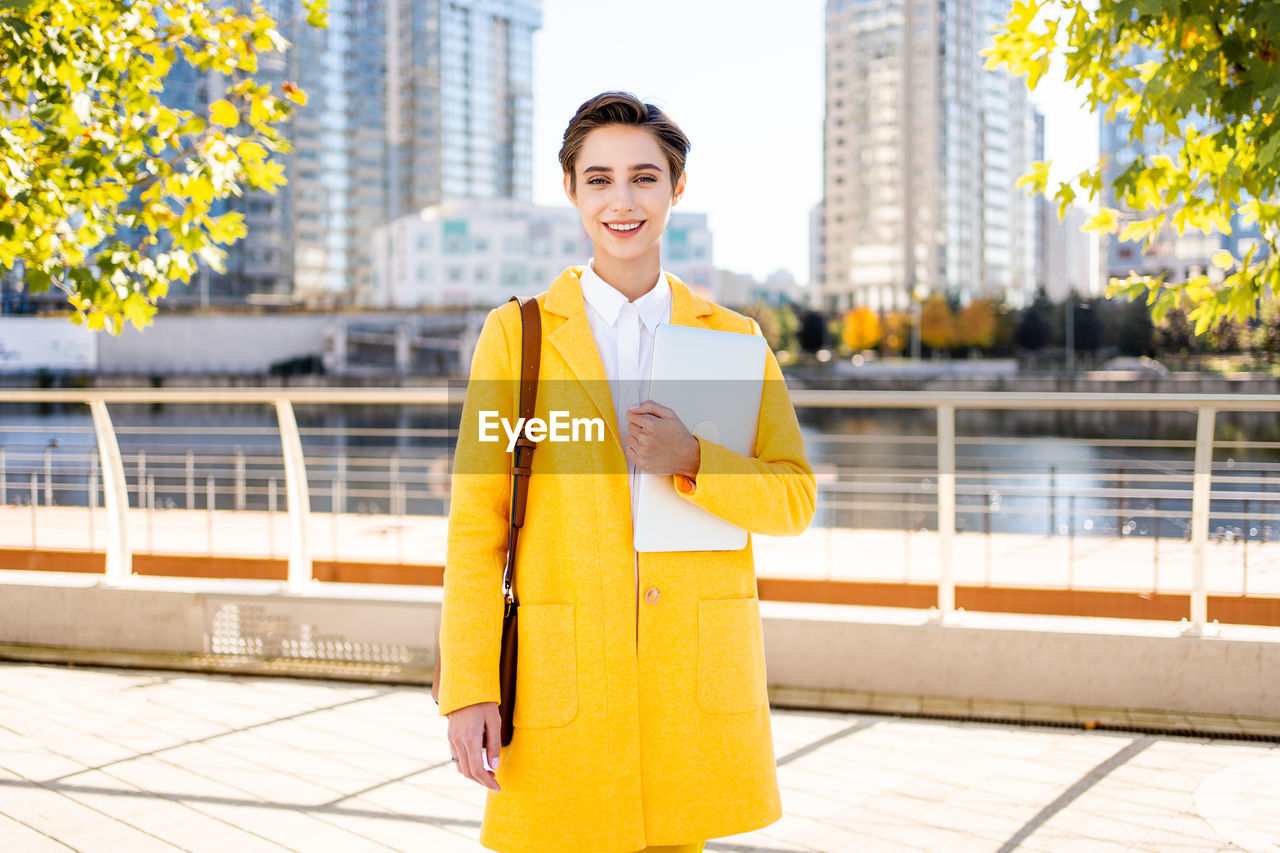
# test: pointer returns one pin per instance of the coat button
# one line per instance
(652, 595)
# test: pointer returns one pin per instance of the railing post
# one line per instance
(946, 507)
(1200, 481)
(48, 476)
(115, 494)
(239, 456)
(295, 476)
(35, 502)
(142, 477)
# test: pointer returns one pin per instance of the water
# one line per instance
(1029, 472)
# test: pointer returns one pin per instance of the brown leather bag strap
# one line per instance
(522, 454)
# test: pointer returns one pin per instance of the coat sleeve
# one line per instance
(471, 612)
(772, 492)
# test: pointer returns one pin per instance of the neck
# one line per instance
(631, 278)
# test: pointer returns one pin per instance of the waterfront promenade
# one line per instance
(131, 761)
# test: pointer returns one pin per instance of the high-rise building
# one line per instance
(1069, 253)
(923, 149)
(410, 103)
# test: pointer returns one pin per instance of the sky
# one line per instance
(744, 80)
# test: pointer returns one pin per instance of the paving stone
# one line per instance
(74, 824)
(18, 836)
(280, 767)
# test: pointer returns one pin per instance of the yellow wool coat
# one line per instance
(637, 723)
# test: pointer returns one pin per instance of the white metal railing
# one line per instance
(943, 404)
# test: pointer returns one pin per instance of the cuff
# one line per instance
(689, 485)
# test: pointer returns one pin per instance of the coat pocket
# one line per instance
(731, 674)
(546, 666)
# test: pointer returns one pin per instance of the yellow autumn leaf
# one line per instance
(1223, 260)
(1102, 222)
(1037, 178)
(224, 113)
(251, 152)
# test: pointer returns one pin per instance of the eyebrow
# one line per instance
(640, 168)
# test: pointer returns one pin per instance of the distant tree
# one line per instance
(1266, 337)
(1006, 323)
(1088, 328)
(861, 329)
(897, 332)
(1229, 336)
(937, 324)
(813, 331)
(105, 191)
(767, 319)
(1205, 105)
(1033, 332)
(1136, 334)
(976, 324)
(1175, 335)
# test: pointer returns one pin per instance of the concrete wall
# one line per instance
(225, 343)
(1108, 663)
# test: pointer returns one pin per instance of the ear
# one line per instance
(678, 192)
(568, 192)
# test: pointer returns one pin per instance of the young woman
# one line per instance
(641, 717)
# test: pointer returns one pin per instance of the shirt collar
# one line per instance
(654, 307)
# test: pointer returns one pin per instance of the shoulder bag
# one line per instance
(521, 467)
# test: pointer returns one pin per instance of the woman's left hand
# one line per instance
(658, 443)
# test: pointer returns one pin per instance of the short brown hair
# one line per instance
(624, 108)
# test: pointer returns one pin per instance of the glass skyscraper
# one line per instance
(922, 151)
(410, 103)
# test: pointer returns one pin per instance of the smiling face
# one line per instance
(624, 194)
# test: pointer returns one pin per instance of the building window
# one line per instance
(455, 238)
(514, 275)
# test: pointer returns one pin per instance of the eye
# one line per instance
(595, 182)
(647, 178)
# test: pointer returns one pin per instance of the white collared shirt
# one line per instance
(624, 333)
(624, 336)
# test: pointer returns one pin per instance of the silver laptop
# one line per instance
(713, 382)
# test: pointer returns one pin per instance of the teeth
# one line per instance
(631, 227)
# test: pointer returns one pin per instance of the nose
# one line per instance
(622, 201)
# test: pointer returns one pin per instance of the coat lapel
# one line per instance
(573, 339)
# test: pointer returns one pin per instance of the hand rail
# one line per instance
(944, 404)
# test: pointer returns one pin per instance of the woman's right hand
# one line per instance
(471, 728)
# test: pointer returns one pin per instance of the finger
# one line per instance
(474, 762)
(493, 742)
(649, 407)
